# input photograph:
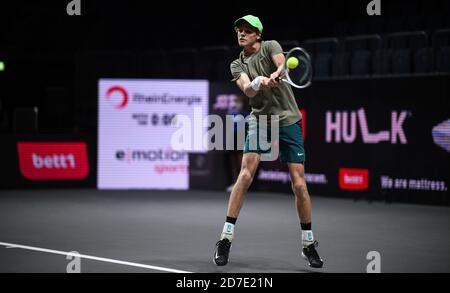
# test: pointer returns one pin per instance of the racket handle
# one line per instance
(277, 78)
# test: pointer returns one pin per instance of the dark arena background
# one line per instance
(90, 181)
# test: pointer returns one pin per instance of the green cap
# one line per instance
(252, 20)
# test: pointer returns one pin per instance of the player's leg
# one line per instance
(235, 162)
(302, 199)
(303, 204)
(250, 162)
(292, 152)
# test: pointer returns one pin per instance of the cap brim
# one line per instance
(240, 20)
(243, 20)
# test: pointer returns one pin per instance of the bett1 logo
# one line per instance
(53, 160)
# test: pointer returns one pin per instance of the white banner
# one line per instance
(135, 125)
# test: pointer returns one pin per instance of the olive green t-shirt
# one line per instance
(276, 101)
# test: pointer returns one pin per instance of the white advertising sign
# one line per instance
(135, 125)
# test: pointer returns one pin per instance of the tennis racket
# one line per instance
(300, 76)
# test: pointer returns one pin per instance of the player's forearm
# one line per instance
(249, 91)
(252, 88)
(278, 61)
(280, 69)
(278, 74)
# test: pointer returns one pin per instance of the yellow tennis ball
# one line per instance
(292, 62)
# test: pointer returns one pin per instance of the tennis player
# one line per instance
(255, 73)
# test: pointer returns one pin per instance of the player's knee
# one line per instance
(246, 176)
(299, 188)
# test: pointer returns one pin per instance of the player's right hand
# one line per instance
(268, 83)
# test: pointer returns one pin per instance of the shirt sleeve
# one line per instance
(274, 48)
(236, 70)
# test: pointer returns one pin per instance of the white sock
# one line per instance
(228, 231)
(307, 237)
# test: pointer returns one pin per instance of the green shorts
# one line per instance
(291, 145)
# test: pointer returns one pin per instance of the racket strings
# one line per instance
(302, 74)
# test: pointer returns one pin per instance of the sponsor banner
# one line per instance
(53, 160)
(413, 184)
(342, 127)
(136, 121)
(394, 132)
(283, 177)
(387, 127)
(353, 179)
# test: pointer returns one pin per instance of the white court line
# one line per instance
(120, 262)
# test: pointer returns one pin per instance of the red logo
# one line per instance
(303, 111)
(53, 160)
(353, 179)
(122, 91)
